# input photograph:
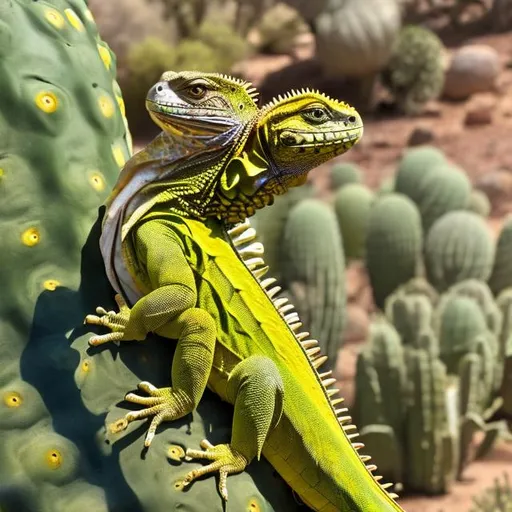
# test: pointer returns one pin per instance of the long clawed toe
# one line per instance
(224, 459)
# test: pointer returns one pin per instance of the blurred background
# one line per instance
(411, 286)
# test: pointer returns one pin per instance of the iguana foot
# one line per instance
(116, 322)
(166, 404)
(225, 460)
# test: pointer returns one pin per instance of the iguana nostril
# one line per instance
(352, 119)
(159, 88)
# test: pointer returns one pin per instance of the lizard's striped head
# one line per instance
(201, 106)
(294, 134)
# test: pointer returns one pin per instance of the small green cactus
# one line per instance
(414, 166)
(393, 244)
(459, 246)
(497, 498)
(459, 322)
(479, 203)
(312, 260)
(501, 276)
(345, 173)
(352, 204)
(414, 73)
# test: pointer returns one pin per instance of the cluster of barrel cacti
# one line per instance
(428, 380)
(64, 139)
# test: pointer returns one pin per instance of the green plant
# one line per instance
(497, 498)
(67, 139)
(344, 173)
(313, 266)
(479, 203)
(414, 73)
(352, 204)
(393, 244)
(414, 166)
(501, 276)
(459, 246)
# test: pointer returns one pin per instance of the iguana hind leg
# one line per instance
(256, 389)
(191, 368)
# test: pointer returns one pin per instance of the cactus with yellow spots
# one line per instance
(64, 138)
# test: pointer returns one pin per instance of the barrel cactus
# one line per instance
(459, 246)
(352, 205)
(479, 203)
(501, 276)
(442, 189)
(393, 244)
(414, 165)
(344, 173)
(414, 73)
(362, 31)
(65, 139)
(313, 270)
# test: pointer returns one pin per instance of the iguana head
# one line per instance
(294, 134)
(201, 107)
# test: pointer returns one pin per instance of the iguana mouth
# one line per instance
(304, 139)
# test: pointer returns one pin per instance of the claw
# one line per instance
(105, 338)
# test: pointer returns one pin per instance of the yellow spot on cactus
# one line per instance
(47, 101)
(253, 506)
(2, 172)
(85, 366)
(88, 15)
(74, 20)
(118, 156)
(105, 56)
(51, 284)
(97, 181)
(175, 452)
(54, 17)
(13, 399)
(30, 237)
(122, 107)
(106, 106)
(53, 459)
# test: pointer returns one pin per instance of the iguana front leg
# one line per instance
(256, 389)
(169, 310)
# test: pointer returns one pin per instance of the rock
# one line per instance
(421, 135)
(355, 279)
(480, 109)
(497, 186)
(473, 68)
(357, 324)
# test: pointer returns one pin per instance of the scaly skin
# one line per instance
(200, 281)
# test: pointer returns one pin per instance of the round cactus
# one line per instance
(479, 203)
(393, 244)
(352, 205)
(414, 73)
(501, 276)
(312, 258)
(441, 189)
(344, 173)
(414, 165)
(459, 246)
(362, 31)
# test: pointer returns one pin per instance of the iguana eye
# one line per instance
(197, 91)
(317, 115)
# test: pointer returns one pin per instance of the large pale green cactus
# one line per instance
(63, 140)
(393, 244)
(459, 246)
(313, 267)
(344, 173)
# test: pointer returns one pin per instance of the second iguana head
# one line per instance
(294, 134)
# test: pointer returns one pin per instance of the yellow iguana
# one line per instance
(183, 257)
